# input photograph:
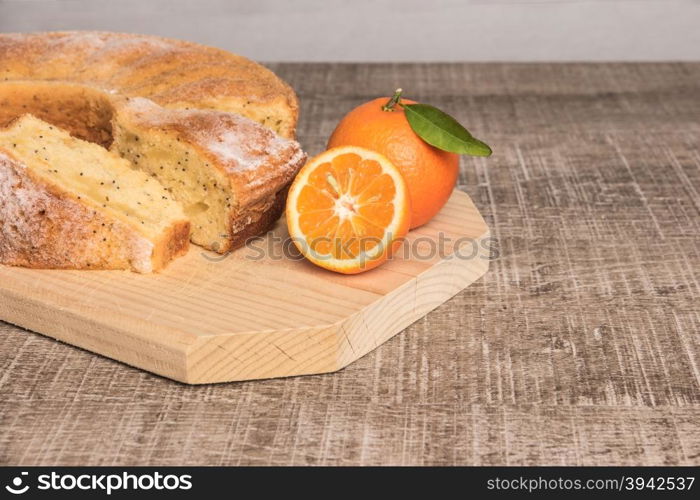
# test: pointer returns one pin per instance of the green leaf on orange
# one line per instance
(439, 129)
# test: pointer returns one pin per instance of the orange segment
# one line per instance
(348, 209)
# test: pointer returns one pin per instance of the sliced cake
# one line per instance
(230, 173)
(70, 204)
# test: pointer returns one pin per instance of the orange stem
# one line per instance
(389, 106)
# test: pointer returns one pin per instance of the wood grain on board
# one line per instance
(579, 346)
(259, 312)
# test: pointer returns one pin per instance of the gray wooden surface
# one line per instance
(579, 347)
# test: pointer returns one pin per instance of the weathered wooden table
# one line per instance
(579, 347)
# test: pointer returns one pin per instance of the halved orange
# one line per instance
(348, 209)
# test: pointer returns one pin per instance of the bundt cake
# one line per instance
(68, 203)
(172, 73)
(183, 113)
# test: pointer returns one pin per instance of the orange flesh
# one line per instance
(345, 206)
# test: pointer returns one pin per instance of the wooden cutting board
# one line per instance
(258, 312)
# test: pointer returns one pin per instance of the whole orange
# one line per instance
(430, 173)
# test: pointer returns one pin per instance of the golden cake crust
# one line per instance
(173, 73)
(257, 221)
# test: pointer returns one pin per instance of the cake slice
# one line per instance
(70, 204)
(230, 173)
